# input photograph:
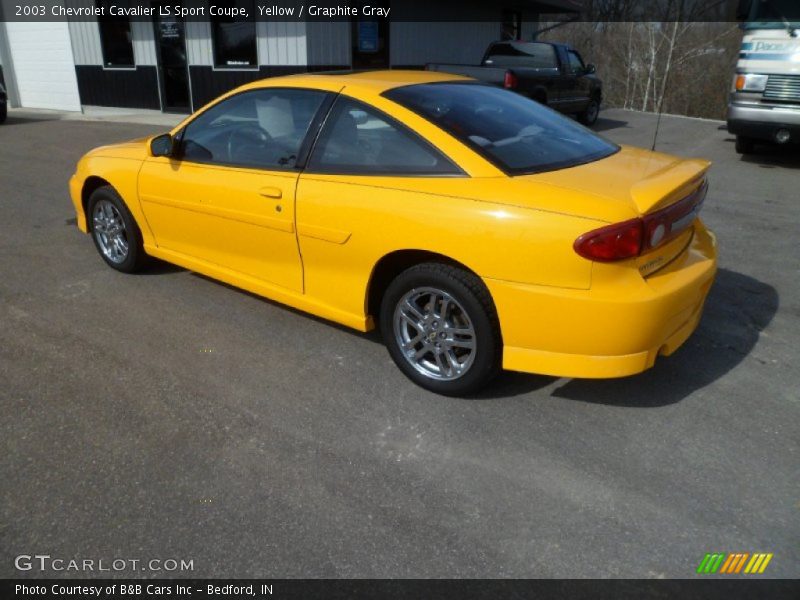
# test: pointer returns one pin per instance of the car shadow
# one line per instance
(371, 336)
(509, 384)
(737, 310)
(772, 156)
(605, 124)
(12, 120)
(160, 267)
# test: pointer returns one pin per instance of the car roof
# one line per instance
(375, 82)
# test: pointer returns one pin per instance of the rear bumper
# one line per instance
(615, 329)
(762, 122)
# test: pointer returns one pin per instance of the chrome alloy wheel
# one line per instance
(109, 231)
(434, 333)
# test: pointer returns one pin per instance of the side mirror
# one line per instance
(590, 69)
(161, 145)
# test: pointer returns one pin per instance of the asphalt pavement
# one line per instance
(167, 416)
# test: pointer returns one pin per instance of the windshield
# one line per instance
(774, 14)
(516, 134)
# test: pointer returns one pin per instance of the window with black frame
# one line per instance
(515, 133)
(261, 129)
(115, 37)
(511, 29)
(235, 36)
(359, 140)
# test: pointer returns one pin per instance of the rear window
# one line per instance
(536, 56)
(516, 134)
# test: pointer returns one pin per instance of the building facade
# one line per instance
(175, 65)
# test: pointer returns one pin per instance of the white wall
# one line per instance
(420, 43)
(328, 43)
(198, 43)
(281, 43)
(44, 71)
(85, 38)
(144, 46)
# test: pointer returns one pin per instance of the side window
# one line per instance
(234, 36)
(115, 37)
(575, 63)
(358, 139)
(261, 128)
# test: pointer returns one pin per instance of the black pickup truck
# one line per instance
(553, 74)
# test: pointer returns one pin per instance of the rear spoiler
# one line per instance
(669, 185)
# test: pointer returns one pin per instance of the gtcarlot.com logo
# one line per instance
(45, 562)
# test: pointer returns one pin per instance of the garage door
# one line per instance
(44, 71)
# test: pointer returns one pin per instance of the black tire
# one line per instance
(135, 257)
(3, 112)
(466, 291)
(589, 115)
(540, 97)
(745, 145)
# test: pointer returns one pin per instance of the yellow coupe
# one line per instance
(476, 228)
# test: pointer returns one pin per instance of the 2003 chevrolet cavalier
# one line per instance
(479, 229)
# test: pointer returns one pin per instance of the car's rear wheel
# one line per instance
(441, 328)
(114, 231)
(3, 112)
(745, 145)
(590, 113)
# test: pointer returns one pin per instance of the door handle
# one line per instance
(271, 192)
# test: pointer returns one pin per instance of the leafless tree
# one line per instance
(682, 67)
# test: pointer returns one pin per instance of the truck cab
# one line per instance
(764, 104)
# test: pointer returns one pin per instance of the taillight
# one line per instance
(614, 242)
(630, 238)
(510, 80)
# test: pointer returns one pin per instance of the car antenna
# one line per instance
(658, 124)
(664, 88)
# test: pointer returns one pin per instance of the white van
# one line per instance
(765, 96)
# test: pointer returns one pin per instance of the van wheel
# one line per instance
(745, 145)
(114, 231)
(441, 329)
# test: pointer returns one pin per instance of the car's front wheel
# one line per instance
(114, 231)
(441, 328)
(3, 111)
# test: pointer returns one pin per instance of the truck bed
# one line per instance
(493, 75)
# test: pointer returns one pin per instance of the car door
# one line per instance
(227, 194)
(576, 90)
(367, 179)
